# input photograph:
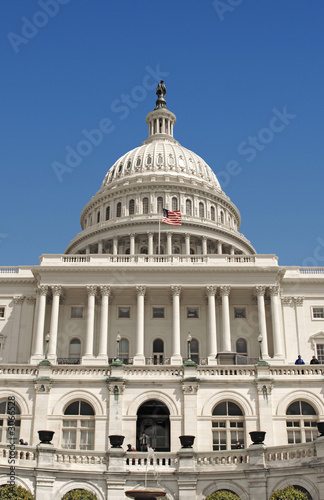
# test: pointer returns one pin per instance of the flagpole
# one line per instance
(159, 239)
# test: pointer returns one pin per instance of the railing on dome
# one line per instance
(68, 361)
(124, 361)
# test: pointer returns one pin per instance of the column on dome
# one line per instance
(260, 291)
(276, 322)
(212, 332)
(100, 246)
(103, 334)
(232, 250)
(115, 245)
(52, 346)
(40, 321)
(187, 244)
(88, 355)
(176, 358)
(226, 333)
(219, 247)
(204, 245)
(169, 243)
(87, 249)
(139, 358)
(150, 243)
(132, 244)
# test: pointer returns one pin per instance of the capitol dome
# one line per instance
(124, 216)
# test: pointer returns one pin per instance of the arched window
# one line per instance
(222, 217)
(159, 204)
(149, 160)
(9, 408)
(174, 203)
(144, 250)
(118, 210)
(194, 350)
(78, 426)
(107, 213)
(98, 217)
(241, 347)
(188, 207)
(158, 351)
(228, 426)
(131, 207)
(212, 213)
(153, 418)
(301, 422)
(161, 250)
(145, 205)
(175, 250)
(124, 351)
(201, 210)
(74, 351)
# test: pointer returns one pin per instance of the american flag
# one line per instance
(173, 218)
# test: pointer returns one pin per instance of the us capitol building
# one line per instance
(164, 329)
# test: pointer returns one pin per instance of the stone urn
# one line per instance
(320, 428)
(187, 441)
(116, 440)
(45, 437)
(257, 437)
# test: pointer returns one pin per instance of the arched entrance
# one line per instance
(153, 418)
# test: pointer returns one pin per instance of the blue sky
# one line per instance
(245, 79)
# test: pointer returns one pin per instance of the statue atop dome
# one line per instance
(160, 92)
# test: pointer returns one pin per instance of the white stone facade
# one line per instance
(118, 307)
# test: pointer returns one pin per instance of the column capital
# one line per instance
(274, 290)
(105, 290)
(56, 290)
(187, 235)
(224, 290)
(204, 238)
(91, 290)
(141, 290)
(286, 300)
(18, 299)
(260, 290)
(176, 290)
(211, 290)
(30, 300)
(42, 290)
(298, 301)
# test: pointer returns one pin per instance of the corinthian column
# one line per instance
(103, 335)
(40, 321)
(88, 355)
(276, 322)
(176, 357)
(226, 337)
(212, 334)
(52, 346)
(260, 291)
(139, 358)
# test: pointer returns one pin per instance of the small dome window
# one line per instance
(145, 205)
(212, 213)
(160, 159)
(201, 210)
(149, 160)
(138, 162)
(120, 168)
(171, 160)
(129, 164)
(181, 162)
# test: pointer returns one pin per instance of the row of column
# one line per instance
(150, 245)
(139, 358)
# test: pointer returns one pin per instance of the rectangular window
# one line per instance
(239, 312)
(318, 312)
(77, 312)
(320, 352)
(193, 312)
(158, 312)
(123, 312)
(2, 312)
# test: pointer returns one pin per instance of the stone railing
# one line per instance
(20, 454)
(143, 259)
(156, 370)
(81, 371)
(77, 457)
(231, 457)
(161, 461)
(290, 452)
(311, 270)
(295, 370)
(227, 371)
(18, 370)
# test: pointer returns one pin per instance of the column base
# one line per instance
(88, 359)
(36, 359)
(176, 360)
(52, 358)
(278, 359)
(211, 360)
(226, 358)
(103, 359)
(139, 359)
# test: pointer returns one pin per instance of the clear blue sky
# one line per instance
(231, 69)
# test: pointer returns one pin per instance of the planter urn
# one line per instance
(257, 437)
(116, 440)
(46, 437)
(187, 441)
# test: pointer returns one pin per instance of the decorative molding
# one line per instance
(287, 300)
(18, 299)
(298, 301)
(30, 300)
(43, 385)
(190, 388)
